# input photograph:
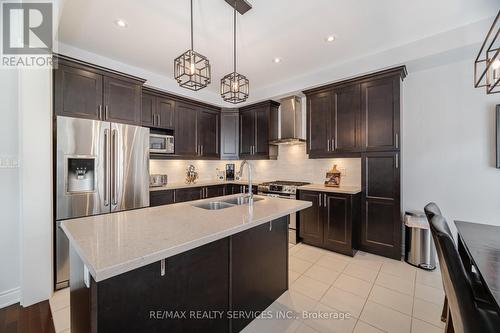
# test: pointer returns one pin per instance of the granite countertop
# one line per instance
(116, 243)
(323, 188)
(171, 186)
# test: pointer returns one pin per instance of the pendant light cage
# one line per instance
(235, 88)
(192, 69)
(487, 64)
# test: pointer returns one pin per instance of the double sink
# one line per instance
(216, 205)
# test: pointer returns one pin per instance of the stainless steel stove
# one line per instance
(280, 189)
(286, 190)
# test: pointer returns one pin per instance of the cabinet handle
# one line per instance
(324, 200)
(162, 267)
(396, 139)
(99, 112)
(332, 145)
(397, 161)
(106, 112)
(320, 199)
(159, 119)
(201, 150)
(328, 144)
(271, 225)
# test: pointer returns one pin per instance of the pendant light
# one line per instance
(487, 63)
(234, 87)
(192, 69)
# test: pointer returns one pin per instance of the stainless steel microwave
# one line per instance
(161, 144)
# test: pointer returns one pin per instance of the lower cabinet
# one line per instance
(167, 197)
(231, 274)
(381, 223)
(332, 222)
(259, 268)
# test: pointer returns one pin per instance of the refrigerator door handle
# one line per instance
(113, 167)
(106, 167)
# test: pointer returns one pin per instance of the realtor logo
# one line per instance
(26, 28)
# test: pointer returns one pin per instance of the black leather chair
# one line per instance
(466, 314)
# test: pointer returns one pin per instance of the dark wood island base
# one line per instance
(201, 290)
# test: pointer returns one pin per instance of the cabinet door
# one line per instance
(381, 213)
(165, 111)
(208, 133)
(186, 130)
(256, 253)
(229, 135)
(311, 219)
(196, 280)
(261, 147)
(319, 109)
(346, 136)
(247, 132)
(148, 110)
(380, 113)
(337, 223)
(122, 101)
(214, 191)
(77, 93)
(159, 198)
(188, 194)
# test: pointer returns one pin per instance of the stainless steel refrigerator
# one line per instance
(101, 167)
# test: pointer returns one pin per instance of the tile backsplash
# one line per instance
(292, 164)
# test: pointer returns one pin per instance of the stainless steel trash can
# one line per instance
(419, 246)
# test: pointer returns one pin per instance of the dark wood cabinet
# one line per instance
(229, 135)
(165, 111)
(334, 122)
(311, 219)
(77, 93)
(208, 133)
(122, 101)
(197, 280)
(188, 194)
(332, 222)
(148, 111)
(214, 191)
(162, 197)
(254, 130)
(83, 90)
(259, 273)
(380, 113)
(186, 131)
(381, 225)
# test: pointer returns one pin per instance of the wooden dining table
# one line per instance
(479, 248)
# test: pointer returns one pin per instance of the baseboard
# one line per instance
(10, 297)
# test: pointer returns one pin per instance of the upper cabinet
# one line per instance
(186, 140)
(86, 91)
(354, 116)
(380, 113)
(157, 111)
(255, 122)
(229, 134)
(208, 133)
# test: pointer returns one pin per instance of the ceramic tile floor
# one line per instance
(379, 294)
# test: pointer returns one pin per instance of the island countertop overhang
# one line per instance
(116, 243)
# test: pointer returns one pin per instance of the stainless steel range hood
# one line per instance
(290, 122)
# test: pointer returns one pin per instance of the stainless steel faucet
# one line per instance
(250, 171)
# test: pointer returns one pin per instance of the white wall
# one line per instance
(448, 144)
(9, 189)
(292, 164)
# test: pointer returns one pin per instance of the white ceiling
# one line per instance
(158, 31)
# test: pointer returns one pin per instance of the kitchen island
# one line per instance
(179, 267)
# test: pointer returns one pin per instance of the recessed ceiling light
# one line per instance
(330, 39)
(277, 60)
(121, 23)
